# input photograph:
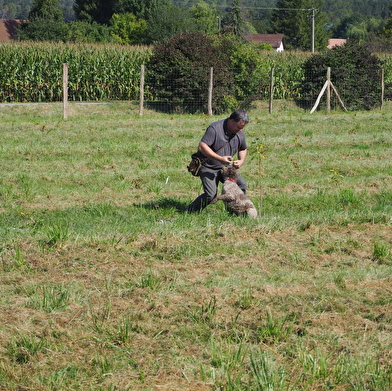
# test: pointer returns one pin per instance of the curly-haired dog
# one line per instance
(235, 199)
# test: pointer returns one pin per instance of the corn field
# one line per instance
(32, 72)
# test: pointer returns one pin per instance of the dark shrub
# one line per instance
(178, 73)
(355, 73)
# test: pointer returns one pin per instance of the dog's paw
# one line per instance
(252, 213)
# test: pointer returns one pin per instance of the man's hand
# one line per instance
(241, 158)
(227, 160)
(238, 163)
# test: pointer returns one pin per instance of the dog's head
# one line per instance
(229, 173)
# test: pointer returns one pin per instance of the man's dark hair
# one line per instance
(239, 115)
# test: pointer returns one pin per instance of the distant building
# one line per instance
(8, 29)
(275, 40)
(336, 42)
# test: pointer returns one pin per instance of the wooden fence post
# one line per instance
(141, 96)
(271, 89)
(327, 87)
(65, 91)
(382, 88)
(210, 88)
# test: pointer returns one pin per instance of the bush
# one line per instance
(41, 29)
(178, 72)
(85, 32)
(248, 66)
(355, 72)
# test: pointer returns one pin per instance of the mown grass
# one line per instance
(107, 285)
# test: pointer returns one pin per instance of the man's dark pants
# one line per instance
(210, 179)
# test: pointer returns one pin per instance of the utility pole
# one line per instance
(312, 44)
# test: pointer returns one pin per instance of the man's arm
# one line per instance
(208, 152)
(241, 158)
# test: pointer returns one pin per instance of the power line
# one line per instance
(273, 9)
(252, 8)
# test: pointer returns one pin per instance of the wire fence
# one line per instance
(329, 88)
(174, 93)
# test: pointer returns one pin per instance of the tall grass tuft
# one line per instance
(381, 251)
(56, 234)
(49, 298)
(266, 375)
(275, 329)
(25, 347)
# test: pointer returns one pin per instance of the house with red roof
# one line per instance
(275, 40)
(336, 42)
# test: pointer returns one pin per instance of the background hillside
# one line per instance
(336, 11)
(19, 9)
(146, 22)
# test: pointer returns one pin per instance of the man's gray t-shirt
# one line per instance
(223, 143)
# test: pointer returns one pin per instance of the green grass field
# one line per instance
(106, 284)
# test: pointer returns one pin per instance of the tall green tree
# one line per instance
(46, 22)
(235, 23)
(46, 9)
(340, 30)
(205, 17)
(360, 31)
(127, 29)
(99, 11)
(142, 9)
(168, 19)
(10, 11)
(293, 18)
(386, 31)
